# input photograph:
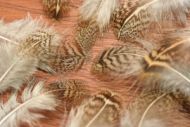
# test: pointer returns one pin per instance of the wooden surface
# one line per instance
(11, 10)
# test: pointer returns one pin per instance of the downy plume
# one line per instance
(169, 65)
(101, 110)
(146, 12)
(155, 109)
(99, 11)
(14, 69)
(14, 112)
(33, 39)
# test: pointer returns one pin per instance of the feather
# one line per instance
(14, 69)
(20, 29)
(122, 61)
(168, 66)
(147, 12)
(102, 110)
(86, 35)
(155, 109)
(54, 8)
(99, 11)
(34, 39)
(72, 93)
(14, 112)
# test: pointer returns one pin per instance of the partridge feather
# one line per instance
(14, 112)
(122, 61)
(146, 12)
(86, 35)
(99, 11)
(102, 110)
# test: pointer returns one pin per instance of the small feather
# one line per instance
(123, 61)
(54, 8)
(99, 11)
(14, 112)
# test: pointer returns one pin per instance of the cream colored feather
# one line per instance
(14, 69)
(14, 112)
(99, 11)
(169, 65)
(155, 109)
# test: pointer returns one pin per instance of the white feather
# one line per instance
(19, 30)
(99, 11)
(14, 112)
(14, 69)
(157, 11)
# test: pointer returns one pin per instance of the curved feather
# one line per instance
(14, 112)
(155, 109)
(151, 11)
(169, 65)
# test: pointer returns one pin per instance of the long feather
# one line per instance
(168, 66)
(99, 11)
(150, 11)
(155, 109)
(14, 69)
(102, 110)
(14, 112)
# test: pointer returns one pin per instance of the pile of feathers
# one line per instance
(153, 59)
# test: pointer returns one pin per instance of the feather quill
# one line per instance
(14, 112)
(145, 12)
(99, 11)
(155, 109)
(168, 66)
(14, 69)
(102, 110)
(54, 8)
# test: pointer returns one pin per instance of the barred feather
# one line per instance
(168, 66)
(69, 58)
(102, 110)
(99, 11)
(72, 89)
(147, 12)
(14, 112)
(54, 8)
(122, 61)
